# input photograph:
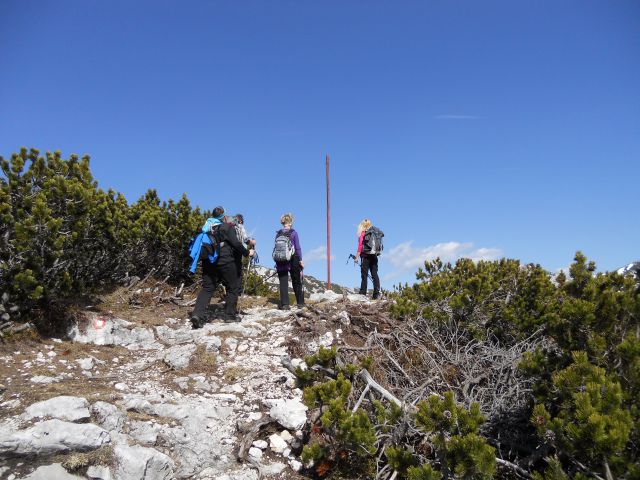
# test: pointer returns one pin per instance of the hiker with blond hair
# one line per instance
(288, 257)
(369, 248)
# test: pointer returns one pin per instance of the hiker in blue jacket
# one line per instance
(223, 270)
(288, 262)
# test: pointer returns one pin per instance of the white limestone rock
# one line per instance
(326, 340)
(273, 469)
(290, 413)
(138, 404)
(182, 383)
(144, 433)
(99, 472)
(231, 344)
(298, 362)
(108, 416)
(286, 436)
(63, 407)
(236, 328)
(44, 379)
(295, 465)
(100, 330)
(51, 472)
(356, 297)
(172, 336)
(140, 463)
(276, 443)
(15, 403)
(261, 444)
(53, 436)
(178, 357)
(255, 453)
(326, 296)
(211, 343)
(343, 317)
(85, 363)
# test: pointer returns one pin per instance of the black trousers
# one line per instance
(212, 276)
(240, 270)
(296, 282)
(369, 264)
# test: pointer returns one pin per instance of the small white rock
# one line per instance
(295, 465)
(255, 452)
(255, 416)
(261, 444)
(277, 444)
(120, 386)
(273, 469)
(85, 363)
(286, 436)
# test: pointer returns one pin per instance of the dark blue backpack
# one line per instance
(204, 246)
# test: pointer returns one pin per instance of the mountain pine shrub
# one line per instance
(437, 439)
(62, 237)
(584, 405)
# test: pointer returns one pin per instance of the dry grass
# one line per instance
(233, 374)
(79, 462)
(202, 361)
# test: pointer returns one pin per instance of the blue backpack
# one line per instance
(204, 246)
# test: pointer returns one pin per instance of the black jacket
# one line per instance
(231, 248)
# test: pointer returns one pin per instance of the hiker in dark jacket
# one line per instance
(369, 262)
(293, 266)
(224, 270)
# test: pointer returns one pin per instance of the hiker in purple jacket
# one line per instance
(294, 266)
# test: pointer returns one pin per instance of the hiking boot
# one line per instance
(375, 296)
(231, 318)
(196, 322)
(284, 307)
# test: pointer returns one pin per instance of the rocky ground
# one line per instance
(138, 394)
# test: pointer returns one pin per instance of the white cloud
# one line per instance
(407, 257)
(318, 253)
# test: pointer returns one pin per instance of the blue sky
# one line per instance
(461, 128)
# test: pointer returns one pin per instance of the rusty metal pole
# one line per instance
(328, 231)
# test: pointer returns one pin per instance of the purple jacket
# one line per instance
(286, 266)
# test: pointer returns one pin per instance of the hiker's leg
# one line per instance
(373, 266)
(283, 277)
(364, 271)
(209, 285)
(230, 278)
(296, 280)
(240, 274)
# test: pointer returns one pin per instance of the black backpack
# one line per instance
(372, 242)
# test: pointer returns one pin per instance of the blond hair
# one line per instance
(286, 219)
(364, 225)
